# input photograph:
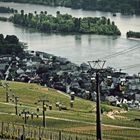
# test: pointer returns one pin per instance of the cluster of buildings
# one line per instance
(117, 88)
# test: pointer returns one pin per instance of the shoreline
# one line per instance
(133, 38)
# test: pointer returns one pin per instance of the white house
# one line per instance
(137, 97)
(20, 71)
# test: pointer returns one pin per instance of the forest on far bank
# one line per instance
(122, 6)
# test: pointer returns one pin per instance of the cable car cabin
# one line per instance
(109, 80)
(122, 84)
(72, 96)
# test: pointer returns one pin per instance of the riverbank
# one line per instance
(18, 64)
(61, 74)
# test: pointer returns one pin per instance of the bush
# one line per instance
(125, 107)
(105, 108)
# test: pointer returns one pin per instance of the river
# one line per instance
(79, 48)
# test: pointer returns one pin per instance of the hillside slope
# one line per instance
(79, 119)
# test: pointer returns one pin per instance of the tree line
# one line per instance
(65, 23)
(123, 6)
(10, 45)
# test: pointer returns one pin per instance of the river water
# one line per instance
(80, 48)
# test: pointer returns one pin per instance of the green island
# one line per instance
(65, 23)
(122, 6)
(7, 10)
(132, 34)
(3, 19)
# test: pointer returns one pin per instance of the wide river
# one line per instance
(81, 48)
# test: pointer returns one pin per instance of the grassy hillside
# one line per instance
(30, 93)
(80, 118)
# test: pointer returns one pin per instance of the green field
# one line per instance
(79, 119)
